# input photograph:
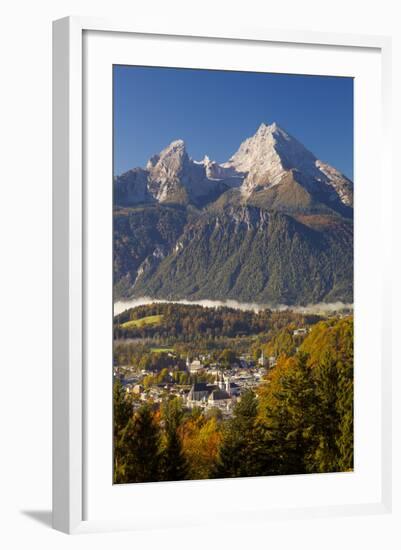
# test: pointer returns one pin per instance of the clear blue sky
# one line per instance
(214, 111)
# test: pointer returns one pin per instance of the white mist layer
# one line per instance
(320, 308)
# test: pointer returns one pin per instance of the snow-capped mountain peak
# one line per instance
(271, 154)
(259, 156)
(170, 157)
(265, 129)
(174, 176)
(265, 160)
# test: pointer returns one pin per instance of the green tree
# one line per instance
(244, 450)
(345, 409)
(324, 456)
(330, 348)
(140, 440)
(174, 463)
(282, 343)
(228, 357)
(122, 408)
(122, 412)
(290, 409)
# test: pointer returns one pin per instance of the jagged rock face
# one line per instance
(340, 184)
(259, 158)
(132, 188)
(215, 171)
(166, 171)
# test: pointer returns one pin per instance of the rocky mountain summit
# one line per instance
(273, 224)
(270, 158)
(172, 177)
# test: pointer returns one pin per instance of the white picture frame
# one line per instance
(69, 260)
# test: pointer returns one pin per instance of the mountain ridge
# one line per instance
(272, 224)
(263, 161)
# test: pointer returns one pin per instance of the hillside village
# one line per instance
(199, 382)
(173, 361)
(212, 386)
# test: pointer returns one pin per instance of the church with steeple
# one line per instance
(220, 394)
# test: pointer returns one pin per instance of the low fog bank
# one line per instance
(320, 308)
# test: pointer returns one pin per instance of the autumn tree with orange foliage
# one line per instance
(200, 437)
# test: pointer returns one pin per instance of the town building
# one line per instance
(194, 366)
(199, 391)
(300, 331)
(222, 393)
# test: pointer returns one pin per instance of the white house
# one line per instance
(194, 366)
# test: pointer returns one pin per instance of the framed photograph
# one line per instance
(220, 275)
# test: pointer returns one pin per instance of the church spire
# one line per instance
(228, 385)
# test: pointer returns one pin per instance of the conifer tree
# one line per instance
(345, 409)
(174, 463)
(122, 412)
(290, 413)
(323, 456)
(122, 408)
(244, 451)
(141, 448)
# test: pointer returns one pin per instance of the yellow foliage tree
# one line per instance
(200, 438)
